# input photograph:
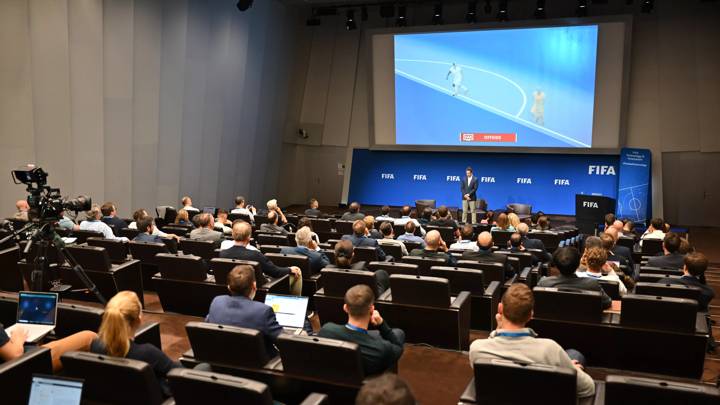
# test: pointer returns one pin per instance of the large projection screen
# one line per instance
(555, 86)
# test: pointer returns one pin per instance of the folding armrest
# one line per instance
(524, 276)
(461, 299)
(385, 296)
(493, 289)
(510, 281)
(701, 323)
(149, 333)
(316, 399)
(275, 281)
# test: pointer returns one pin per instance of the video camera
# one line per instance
(46, 203)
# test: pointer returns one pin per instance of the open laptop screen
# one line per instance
(209, 210)
(38, 308)
(55, 390)
(289, 310)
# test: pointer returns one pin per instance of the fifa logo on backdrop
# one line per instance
(601, 170)
(452, 178)
(524, 180)
(590, 204)
(487, 179)
(419, 177)
(387, 176)
(562, 182)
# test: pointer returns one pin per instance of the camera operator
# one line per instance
(22, 210)
(93, 223)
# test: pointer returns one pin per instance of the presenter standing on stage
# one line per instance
(468, 187)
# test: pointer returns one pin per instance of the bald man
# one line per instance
(22, 210)
(485, 254)
(435, 247)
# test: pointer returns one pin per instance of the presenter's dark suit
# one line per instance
(471, 189)
(245, 313)
(364, 241)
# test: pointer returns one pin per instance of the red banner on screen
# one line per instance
(487, 137)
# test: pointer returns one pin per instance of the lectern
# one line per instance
(590, 211)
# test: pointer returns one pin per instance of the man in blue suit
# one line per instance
(360, 239)
(239, 309)
(306, 246)
(468, 187)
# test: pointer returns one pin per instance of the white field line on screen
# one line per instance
(509, 116)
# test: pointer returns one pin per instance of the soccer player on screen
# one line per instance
(457, 75)
(538, 108)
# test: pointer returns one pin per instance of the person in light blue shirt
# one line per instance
(93, 223)
(409, 235)
(466, 241)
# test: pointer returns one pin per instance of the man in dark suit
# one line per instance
(306, 246)
(380, 351)
(486, 254)
(516, 246)
(693, 272)
(239, 309)
(313, 211)
(672, 258)
(241, 232)
(110, 217)
(621, 251)
(353, 213)
(468, 188)
(530, 243)
(145, 225)
(444, 218)
(435, 247)
(567, 260)
(360, 239)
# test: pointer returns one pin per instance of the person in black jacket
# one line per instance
(486, 254)
(313, 211)
(109, 213)
(241, 233)
(672, 258)
(530, 243)
(693, 271)
(567, 260)
(435, 247)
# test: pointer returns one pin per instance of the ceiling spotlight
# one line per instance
(401, 20)
(647, 6)
(488, 7)
(243, 5)
(350, 20)
(581, 10)
(540, 9)
(503, 11)
(471, 16)
(437, 14)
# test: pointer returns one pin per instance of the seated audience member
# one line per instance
(512, 340)
(620, 251)
(531, 243)
(629, 229)
(370, 226)
(515, 245)
(488, 218)
(609, 221)
(182, 217)
(274, 224)
(435, 247)
(685, 247)
(608, 243)
(344, 255)
(66, 222)
(122, 317)
(22, 211)
(598, 268)
(693, 274)
(618, 225)
(206, 229)
(239, 309)
(353, 213)
(13, 346)
(359, 238)
(656, 230)
(187, 206)
(156, 231)
(306, 246)
(567, 260)
(502, 224)
(146, 226)
(543, 224)
(405, 218)
(388, 232)
(240, 208)
(513, 220)
(486, 254)
(109, 216)
(222, 223)
(426, 216)
(313, 210)
(305, 221)
(671, 258)
(387, 389)
(241, 233)
(272, 206)
(409, 235)
(534, 219)
(384, 214)
(466, 241)
(444, 218)
(380, 351)
(93, 223)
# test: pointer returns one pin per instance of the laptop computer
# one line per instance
(290, 311)
(49, 389)
(36, 313)
(209, 210)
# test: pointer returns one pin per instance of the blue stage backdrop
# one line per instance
(548, 182)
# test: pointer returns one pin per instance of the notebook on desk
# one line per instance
(36, 313)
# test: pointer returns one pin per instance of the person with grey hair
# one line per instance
(93, 223)
(531, 243)
(206, 229)
(306, 246)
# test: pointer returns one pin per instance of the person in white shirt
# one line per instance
(241, 208)
(187, 206)
(656, 230)
(388, 232)
(405, 218)
(93, 223)
(157, 232)
(466, 241)
(595, 259)
(384, 215)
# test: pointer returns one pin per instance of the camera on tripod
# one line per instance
(46, 203)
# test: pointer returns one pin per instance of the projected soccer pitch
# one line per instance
(525, 87)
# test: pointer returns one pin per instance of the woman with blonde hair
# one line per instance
(514, 220)
(182, 217)
(502, 224)
(122, 317)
